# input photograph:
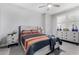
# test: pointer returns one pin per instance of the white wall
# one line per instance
(12, 16)
(43, 22)
(48, 24)
(0, 21)
(54, 24)
(66, 19)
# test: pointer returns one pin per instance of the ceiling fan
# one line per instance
(49, 5)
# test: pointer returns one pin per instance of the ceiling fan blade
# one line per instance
(56, 5)
(42, 6)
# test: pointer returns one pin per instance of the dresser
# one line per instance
(71, 36)
(12, 39)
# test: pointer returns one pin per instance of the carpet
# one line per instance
(17, 50)
(57, 52)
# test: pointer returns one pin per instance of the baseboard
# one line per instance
(15, 44)
(70, 42)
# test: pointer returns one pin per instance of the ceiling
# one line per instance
(52, 10)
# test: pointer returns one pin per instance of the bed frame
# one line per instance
(20, 42)
(20, 28)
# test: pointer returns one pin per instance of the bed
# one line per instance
(34, 42)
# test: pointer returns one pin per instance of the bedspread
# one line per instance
(31, 41)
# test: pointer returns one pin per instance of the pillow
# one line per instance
(24, 32)
(35, 32)
(29, 32)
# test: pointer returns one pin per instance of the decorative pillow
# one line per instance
(29, 32)
(26, 32)
(35, 32)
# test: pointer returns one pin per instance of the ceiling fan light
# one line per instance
(49, 6)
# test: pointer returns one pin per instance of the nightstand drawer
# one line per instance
(12, 40)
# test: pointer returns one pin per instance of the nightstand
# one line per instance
(12, 39)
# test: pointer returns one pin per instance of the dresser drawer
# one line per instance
(69, 36)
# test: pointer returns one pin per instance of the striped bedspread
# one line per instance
(30, 41)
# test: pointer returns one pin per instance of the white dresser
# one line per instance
(12, 39)
(9, 40)
(71, 36)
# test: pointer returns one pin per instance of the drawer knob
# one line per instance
(12, 38)
(12, 41)
(74, 40)
(66, 38)
(73, 33)
(74, 36)
(66, 35)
